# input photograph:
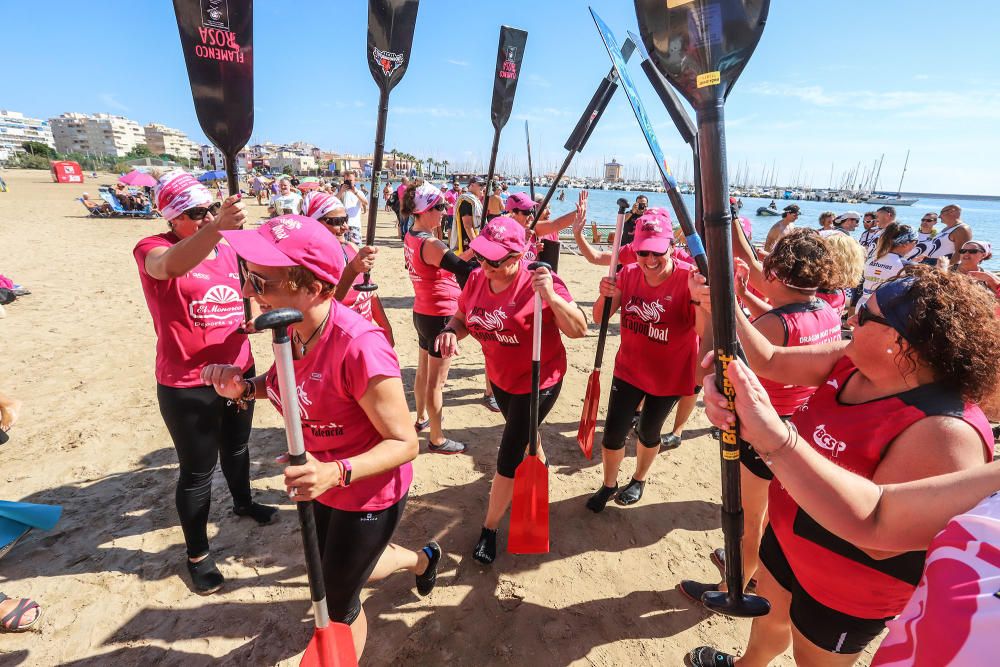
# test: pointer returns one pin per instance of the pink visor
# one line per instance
(291, 240)
(500, 237)
(653, 233)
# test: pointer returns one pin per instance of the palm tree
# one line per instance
(445, 165)
(430, 169)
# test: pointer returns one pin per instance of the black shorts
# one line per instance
(622, 402)
(428, 327)
(752, 461)
(515, 409)
(826, 628)
(350, 544)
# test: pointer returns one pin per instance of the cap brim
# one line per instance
(251, 246)
(658, 244)
(489, 249)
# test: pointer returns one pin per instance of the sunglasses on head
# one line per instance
(865, 316)
(649, 253)
(495, 263)
(334, 221)
(257, 282)
(199, 212)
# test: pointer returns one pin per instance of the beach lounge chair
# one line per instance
(95, 211)
(116, 206)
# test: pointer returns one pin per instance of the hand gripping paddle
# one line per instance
(592, 400)
(332, 644)
(529, 508)
(701, 47)
(390, 34)
(217, 40)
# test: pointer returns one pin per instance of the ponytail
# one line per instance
(407, 205)
(884, 245)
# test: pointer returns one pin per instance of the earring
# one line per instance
(888, 350)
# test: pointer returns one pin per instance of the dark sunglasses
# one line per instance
(440, 206)
(640, 206)
(649, 253)
(522, 212)
(963, 251)
(199, 212)
(865, 316)
(257, 282)
(334, 221)
(928, 220)
(495, 263)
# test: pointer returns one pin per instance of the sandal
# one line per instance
(12, 621)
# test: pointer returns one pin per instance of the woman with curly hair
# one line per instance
(896, 403)
(800, 264)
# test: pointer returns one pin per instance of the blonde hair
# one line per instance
(849, 256)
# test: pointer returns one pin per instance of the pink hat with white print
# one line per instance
(500, 237)
(291, 240)
(426, 197)
(520, 201)
(318, 204)
(653, 232)
(178, 191)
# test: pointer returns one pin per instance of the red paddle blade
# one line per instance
(529, 509)
(332, 646)
(588, 419)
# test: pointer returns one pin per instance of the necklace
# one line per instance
(303, 344)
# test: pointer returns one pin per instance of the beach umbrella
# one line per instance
(308, 185)
(218, 175)
(138, 178)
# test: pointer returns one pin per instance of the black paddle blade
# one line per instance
(509, 55)
(390, 34)
(701, 46)
(217, 40)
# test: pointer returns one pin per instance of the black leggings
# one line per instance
(624, 400)
(350, 544)
(516, 409)
(205, 430)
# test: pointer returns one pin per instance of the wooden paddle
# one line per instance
(217, 40)
(390, 35)
(332, 644)
(529, 508)
(710, 43)
(592, 400)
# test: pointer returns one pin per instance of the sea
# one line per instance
(983, 215)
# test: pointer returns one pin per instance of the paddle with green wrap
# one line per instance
(702, 47)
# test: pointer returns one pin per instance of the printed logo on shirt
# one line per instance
(221, 304)
(833, 383)
(304, 401)
(316, 376)
(488, 325)
(642, 317)
(196, 274)
(823, 439)
(368, 517)
(323, 430)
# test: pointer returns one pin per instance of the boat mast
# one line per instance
(878, 173)
(903, 175)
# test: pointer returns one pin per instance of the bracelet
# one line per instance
(249, 395)
(789, 443)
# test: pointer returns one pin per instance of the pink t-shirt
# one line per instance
(331, 379)
(451, 197)
(657, 323)
(502, 324)
(195, 316)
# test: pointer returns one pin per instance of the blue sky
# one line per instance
(830, 83)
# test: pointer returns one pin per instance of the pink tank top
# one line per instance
(435, 290)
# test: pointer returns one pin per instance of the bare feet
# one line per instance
(9, 410)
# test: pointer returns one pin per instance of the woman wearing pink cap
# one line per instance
(190, 283)
(656, 359)
(521, 208)
(329, 210)
(496, 308)
(355, 423)
(432, 267)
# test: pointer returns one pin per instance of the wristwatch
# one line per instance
(345, 479)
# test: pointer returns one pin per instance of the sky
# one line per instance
(831, 85)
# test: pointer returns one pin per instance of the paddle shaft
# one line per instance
(602, 337)
(718, 223)
(536, 376)
(233, 183)
(489, 173)
(373, 194)
(282, 345)
(531, 173)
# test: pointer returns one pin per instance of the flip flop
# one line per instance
(12, 621)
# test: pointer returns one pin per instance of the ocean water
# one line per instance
(982, 215)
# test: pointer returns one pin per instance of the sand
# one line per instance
(79, 352)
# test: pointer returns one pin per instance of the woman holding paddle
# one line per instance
(189, 280)
(496, 308)
(895, 404)
(656, 360)
(355, 423)
(432, 267)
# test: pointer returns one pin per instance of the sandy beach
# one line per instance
(79, 353)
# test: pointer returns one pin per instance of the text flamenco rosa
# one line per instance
(218, 44)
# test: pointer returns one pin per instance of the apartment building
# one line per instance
(16, 128)
(97, 134)
(212, 158)
(162, 139)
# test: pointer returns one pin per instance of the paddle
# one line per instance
(390, 34)
(531, 173)
(217, 40)
(592, 400)
(510, 52)
(332, 644)
(577, 140)
(529, 508)
(702, 47)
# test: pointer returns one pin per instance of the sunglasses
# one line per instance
(865, 316)
(649, 253)
(522, 212)
(495, 263)
(199, 212)
(640, 206)
(257, 282)
(441, 206)
(972, 251)
(334, 221)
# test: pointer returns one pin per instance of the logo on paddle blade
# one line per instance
(215, 14)
(509, 68)
(388, 61)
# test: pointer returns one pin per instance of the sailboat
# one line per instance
(887, 200)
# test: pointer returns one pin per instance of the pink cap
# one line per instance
(653, 232)
(747, 226)
(500, 237)
(291, 240)
(520, 201)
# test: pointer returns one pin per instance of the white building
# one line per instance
(161, 139)
(98, 134)
(212, 158)
(15, 129)
(297, 163)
